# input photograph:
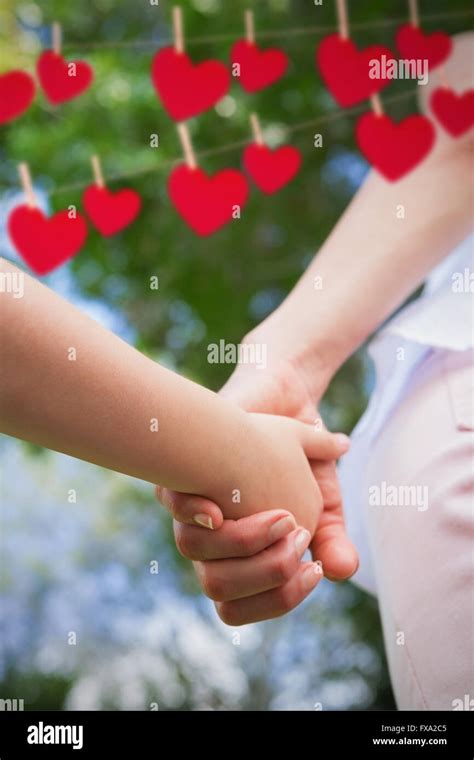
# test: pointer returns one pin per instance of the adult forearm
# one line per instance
(384, 245)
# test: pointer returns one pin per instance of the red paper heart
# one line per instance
(346, 70)
(258, 68)
(394, 149)
(62, 80)
(206, 203)
(44, 242)
(412, 42)
(111, 212)
(455, 112)
(17, 90)
(271, 169)
(187, 89)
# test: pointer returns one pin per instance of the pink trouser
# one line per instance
(422, 538)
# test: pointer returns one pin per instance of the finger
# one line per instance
(226, 579)
(235, 538)
(331, 544)
(189, 509)
(272, 604)
(321, 444)
(335, 551)
(325, 473)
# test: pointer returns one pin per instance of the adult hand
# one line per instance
(252, 567)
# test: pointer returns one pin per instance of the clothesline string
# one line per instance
(291, 129)
(265, 34)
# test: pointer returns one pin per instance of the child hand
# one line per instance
(273, 470)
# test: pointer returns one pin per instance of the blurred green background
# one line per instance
(142, 639)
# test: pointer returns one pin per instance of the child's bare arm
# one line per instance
(71, 385)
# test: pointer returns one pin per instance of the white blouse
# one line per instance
(442, 317)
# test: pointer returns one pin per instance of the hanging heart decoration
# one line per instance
(187, 89)
(394, 149)
(270, 169)
(206, 202)
(346, 70)
(413, 43)
(17, 90)
(111, 212)
(62, 80)
(455, 112)
(45, 243)
(257, 68)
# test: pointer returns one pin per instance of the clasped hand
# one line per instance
(252, 566)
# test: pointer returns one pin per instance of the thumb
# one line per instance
(332, 546)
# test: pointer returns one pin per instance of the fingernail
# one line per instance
(282, 527)
(204, 521)
(303, 537)
(310, 576)
(343, 441)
